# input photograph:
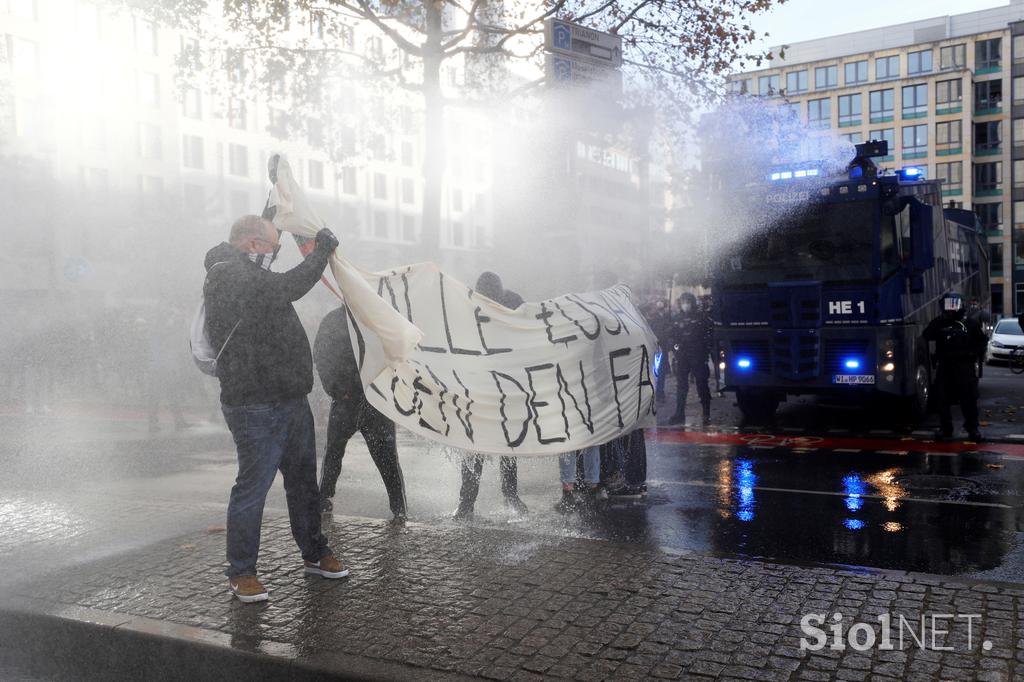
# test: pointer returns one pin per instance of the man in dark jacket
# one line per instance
(266, 372)
(691, 340)
(351, 412)
(489, 284)
(959, 344)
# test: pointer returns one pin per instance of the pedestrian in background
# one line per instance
(351, 412)
(266, 371)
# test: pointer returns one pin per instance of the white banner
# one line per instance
(454, 366)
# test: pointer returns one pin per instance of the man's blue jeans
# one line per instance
(269, 437)
(591, 465)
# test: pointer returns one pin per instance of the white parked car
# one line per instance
(1006, 336)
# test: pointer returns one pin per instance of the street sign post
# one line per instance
(575, 41)
(581, 56)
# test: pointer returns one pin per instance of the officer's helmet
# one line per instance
(952, 302)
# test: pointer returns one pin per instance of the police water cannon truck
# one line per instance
(830, 295)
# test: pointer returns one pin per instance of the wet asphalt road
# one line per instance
(940, 512)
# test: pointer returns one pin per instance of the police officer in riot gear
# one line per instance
(959, 345)
(691, 340)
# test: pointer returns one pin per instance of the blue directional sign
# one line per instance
(582, 43)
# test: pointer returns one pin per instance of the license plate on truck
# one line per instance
(853, 378)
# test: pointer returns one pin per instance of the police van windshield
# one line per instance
(1008, 327)
(823, 242)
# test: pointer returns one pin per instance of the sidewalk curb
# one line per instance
(88, 644)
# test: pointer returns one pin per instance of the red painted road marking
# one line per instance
(762, 440)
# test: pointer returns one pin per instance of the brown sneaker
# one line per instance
(329, 567)
(247, 588)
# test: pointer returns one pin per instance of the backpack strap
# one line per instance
(232, 332)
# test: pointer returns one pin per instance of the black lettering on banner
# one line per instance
(618, 320)
(420, 387)
(467, 423)
(617, 330)
(645, 368)
(480, 320)
(535, 405)
(394, 399)
(597, 322)
(543, 316)
(440, 400)
(616, 378)
(518, 440)
(622, 305)
(563, 387)
(408, 303)
(614, 309)
(385, 282)
(447, 328)
(432, 349)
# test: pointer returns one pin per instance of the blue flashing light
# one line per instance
(791, 173)
(854, 488)
(853, 524)
(659, 360)
(912, 173)
(856, 172)
(744, 363)
(851, 363)
(746, 480)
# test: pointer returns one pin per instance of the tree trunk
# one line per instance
(433, 133)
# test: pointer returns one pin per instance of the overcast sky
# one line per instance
(798, 20)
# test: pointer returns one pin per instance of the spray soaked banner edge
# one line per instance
(456, 367)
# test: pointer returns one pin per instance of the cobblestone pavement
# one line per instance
(504, 604)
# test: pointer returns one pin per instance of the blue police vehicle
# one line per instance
(831, 293)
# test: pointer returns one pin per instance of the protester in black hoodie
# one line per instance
(266, 371)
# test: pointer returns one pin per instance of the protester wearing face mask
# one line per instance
(266, 371)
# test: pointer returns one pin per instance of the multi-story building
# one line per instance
(91, 93)
(946, 93)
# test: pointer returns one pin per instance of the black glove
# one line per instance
(326, 240)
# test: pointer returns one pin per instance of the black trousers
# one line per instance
(955, 382)
(699, 369)
(473, 467)
(347, 417)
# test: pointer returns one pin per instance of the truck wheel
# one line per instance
(757, 405)
(918, 403)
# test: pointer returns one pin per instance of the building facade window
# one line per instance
(316, 174)
(826, 77)
(768, 86)
(988, 177)
(856, 72)
(1018, 132)
(919, 62)
(882, 106)
(237, 115)
(987, 137)
(951, 175)
(146, 37)
(854, 138)
(915, 141)
(150, 141)
(887, 67)
(949, 93)
(987, 54)
(408, 191)
(349, 185)
(948, 135)
(849, 110)
(995, 254)
(990, 216)
(192, 104)
(819, 113)
(796, 82)
(790, 110)
(380, 224)
(988, 96)
(192, 151)
(380, 186)
(886, 134)
(148, 89)
(952, 57)
(1018, 173)
(740, 86)
(1018, 49)
(408, 157)
(915, 101)
(238, 160)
